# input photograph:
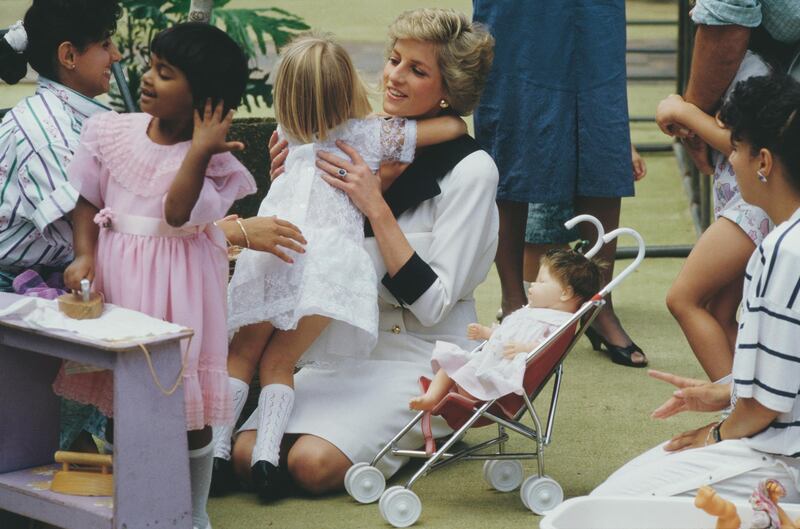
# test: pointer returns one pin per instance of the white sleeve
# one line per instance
(463, 244)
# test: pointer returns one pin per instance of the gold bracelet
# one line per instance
(244, 232)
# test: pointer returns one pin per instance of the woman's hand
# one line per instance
(211, 129)
(81, 268)
(278, 151)
(692, 439)
(358, 181)
(639, 166)
(692, 395)
(271, 234)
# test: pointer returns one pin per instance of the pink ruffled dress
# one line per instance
(176, 274)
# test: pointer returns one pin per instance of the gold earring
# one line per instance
(444, 104)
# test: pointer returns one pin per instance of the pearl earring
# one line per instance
(444, 104)
(761, 176)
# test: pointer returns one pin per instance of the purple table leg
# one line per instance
(151, 464)
(29, 411)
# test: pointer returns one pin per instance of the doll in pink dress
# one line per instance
(152, 184)
(566, 279)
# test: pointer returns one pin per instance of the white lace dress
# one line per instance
(486, 373)
(335, 276)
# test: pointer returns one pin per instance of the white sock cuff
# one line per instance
(238, 385)
(202, 451)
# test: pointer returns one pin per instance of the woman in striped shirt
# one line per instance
(68, 43)
(758, 436)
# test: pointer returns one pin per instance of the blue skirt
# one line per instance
(554, 114)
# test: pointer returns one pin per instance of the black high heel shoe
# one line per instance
(619, 355)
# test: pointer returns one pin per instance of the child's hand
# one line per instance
(668, 116)
(81, 268)
(512, 349)
(639, 167)
(211, 128)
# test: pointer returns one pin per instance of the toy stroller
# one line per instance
(401, 507)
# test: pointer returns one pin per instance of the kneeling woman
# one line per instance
(432, 237)
(761, 436)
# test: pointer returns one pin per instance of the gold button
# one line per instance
(396, 329)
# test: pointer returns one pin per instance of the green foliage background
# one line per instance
(253, 29)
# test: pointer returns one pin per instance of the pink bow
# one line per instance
(104, 218)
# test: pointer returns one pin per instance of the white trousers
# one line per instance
(731, 467)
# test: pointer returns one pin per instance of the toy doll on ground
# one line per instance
(151, 186)
(767, 514)
(279, 309)
(566, 279)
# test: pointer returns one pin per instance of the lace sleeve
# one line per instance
(398, 139)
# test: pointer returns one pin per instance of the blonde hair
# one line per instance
(464, 51)
(317, 88)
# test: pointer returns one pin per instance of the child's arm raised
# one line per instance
(674, 114)
(439, 130)
(84, 239)
(208, 139)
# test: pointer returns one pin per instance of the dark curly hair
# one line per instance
(763, 112)
(215, 66)
(52, 22)
(573, 269)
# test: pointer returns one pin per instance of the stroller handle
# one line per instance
(610, 236)
(600, 231)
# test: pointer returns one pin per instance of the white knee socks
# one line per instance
(200, 466)
(274, 409)
(222, 434)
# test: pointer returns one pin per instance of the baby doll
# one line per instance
(566, 279)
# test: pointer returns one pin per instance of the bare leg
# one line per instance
(718, 259)
(513, 219)
(439, 387)
(286, 347)
(723, 308)
(246, 350)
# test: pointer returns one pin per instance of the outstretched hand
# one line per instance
(692, 395)
(211, 129)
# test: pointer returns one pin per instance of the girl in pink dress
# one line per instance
(151, 186)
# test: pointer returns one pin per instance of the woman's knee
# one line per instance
(317, 467)
(679, 299)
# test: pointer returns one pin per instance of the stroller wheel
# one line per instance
(349, 475)
(400, 506)
(504, 475)
(366, 484)
(541, 494)
(388, 492)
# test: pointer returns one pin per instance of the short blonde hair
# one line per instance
(464, 51)
(317, 88)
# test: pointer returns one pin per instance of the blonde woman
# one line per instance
(281, 308)
(431, 236)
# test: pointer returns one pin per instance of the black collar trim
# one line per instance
(420, 181)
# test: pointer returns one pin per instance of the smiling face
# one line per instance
(412, 81)
(547, 292)
(166, 93)
(91, 68)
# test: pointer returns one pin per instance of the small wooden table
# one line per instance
(151, 464)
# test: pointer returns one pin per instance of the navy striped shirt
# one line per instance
(766, 365)
(37, 140)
